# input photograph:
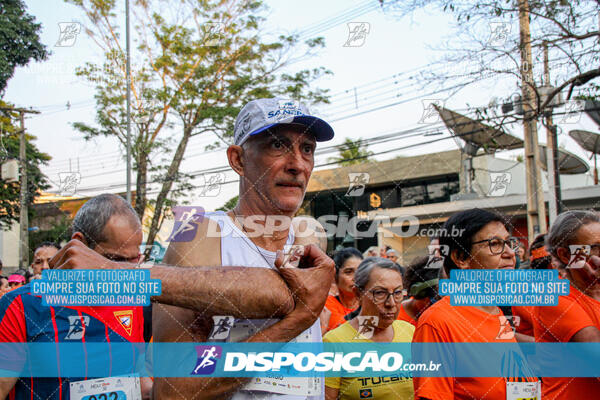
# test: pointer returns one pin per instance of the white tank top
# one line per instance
(238, 250)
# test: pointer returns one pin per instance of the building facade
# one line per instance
(403, 202)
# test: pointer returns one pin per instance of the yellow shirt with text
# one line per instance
(388, 386)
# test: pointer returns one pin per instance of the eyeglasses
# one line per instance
(498, 246)
(119, 258)
(381, 295)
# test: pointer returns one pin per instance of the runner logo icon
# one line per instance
(207, 359)
(76, 329)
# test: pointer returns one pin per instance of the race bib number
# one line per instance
(285, 385)
(274, 383)
(243, 329)
(113, 388)
(117, 395)
(523, 391)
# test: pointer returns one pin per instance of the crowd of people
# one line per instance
(353, 297)
(485, 243)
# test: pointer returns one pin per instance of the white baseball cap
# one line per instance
(259, 115)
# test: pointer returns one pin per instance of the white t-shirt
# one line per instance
(238, 250)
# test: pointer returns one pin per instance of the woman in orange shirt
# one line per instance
(539, 259)
(483, 242)
(336, 307)
(576, 318)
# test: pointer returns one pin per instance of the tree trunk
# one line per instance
(167, 184)
(141, 191)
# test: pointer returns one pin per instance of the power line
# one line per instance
(325, 25)
(321, 151)
(227, 169)
(394, 104)
(413, 132)
(92, 161)
(326, 150)
(119, 155)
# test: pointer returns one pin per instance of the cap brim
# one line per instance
(319, 128)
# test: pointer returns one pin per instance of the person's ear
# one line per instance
(234, 156)
(357, 292)
(79, 236)
(564, 255)
(458, 260)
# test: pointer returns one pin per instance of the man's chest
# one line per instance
(101, 324)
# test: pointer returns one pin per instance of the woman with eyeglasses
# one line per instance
(576, 318)
(379, 289)
(484, 242)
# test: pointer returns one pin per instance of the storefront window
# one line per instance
(441, 191)
(413, 195)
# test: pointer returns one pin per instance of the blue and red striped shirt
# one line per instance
(24, 319)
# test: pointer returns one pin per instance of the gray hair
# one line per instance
(362, 276)
(92, 217)
(372, 248)
(565, 227)
(363, 272)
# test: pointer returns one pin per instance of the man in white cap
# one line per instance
(273, 153)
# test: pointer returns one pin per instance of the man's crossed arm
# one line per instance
(207, 290)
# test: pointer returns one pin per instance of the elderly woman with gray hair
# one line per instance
(574, 243)
(378, 286)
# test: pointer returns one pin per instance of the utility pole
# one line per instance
(128, 102)
(23, 210)
(536, 209)
(554, 199)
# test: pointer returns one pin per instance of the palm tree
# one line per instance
(352, 152)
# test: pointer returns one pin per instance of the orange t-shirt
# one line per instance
(558, 324)
(403, 316)
(525, 325)
(444, 323)
(338, 312)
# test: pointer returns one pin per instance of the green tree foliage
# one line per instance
(591, 92)
(229, 204)
(19, 39)
(36, 180)
(352, 152)
(149, 118)
(195, 65)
